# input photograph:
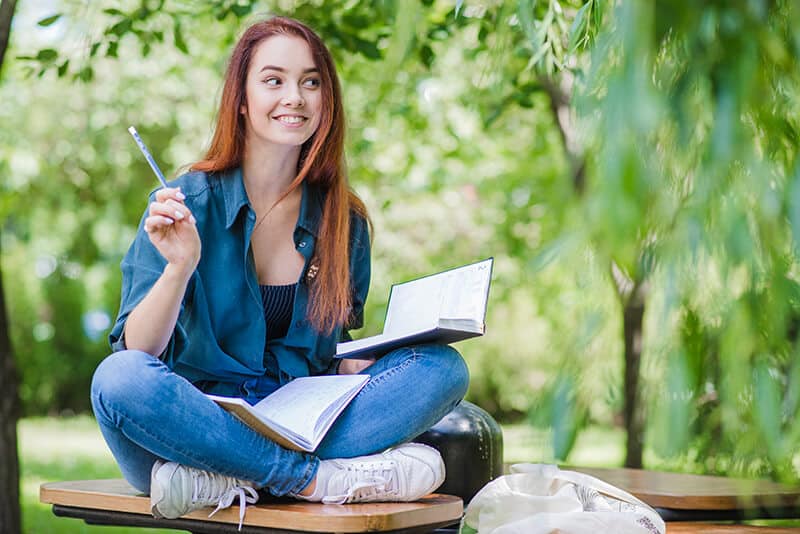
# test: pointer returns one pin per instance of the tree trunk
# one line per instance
(6, 14)
(9, 414)
(10, 516)
(633, 315)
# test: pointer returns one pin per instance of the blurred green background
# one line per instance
(631, 166)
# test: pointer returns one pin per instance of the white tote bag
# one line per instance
(543, 499)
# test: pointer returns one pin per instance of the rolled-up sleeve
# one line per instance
(141, 267)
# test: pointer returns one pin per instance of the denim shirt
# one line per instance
(220, 333)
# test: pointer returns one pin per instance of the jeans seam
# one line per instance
(388, 373)
(305, 480)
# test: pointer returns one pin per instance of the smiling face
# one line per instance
(283, 94)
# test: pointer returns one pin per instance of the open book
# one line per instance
(299, 414)
(441, 308)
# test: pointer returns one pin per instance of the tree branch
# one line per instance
(565, 121)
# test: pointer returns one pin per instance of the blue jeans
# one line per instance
(146, 412)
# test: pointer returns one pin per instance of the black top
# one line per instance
(278, 302)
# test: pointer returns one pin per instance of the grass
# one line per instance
(595, 446)
(54, 449)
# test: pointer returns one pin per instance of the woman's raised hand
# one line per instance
(171, 228)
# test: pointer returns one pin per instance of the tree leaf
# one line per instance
(141, 13)
(47, 21)
(426, 55)
(86, 74)
(767, 407)
(578, 30)
(177, 35)
(566, 417)
(62, 69)
(120, 28)
(368, 49)
(241, 10)
(111, 51)
(794, 206)
(47, 54)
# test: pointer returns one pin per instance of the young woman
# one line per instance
(244, 274)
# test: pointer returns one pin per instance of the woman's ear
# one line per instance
(243, 110)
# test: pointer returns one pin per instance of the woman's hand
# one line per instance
(171, 228)
(352, 366)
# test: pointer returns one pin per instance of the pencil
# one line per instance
(147, 156)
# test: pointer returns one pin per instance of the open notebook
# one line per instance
(300, 413)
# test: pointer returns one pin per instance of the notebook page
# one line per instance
(299, 404)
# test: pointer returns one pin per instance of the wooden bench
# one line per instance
(115, 502)
(676, 496)
(687, 497)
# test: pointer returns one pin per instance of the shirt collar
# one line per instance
(234, 194)
(236, 198)
(310, 209)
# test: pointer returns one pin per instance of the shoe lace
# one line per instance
(368, 481)
(213, 488)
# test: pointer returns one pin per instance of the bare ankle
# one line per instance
(309, 490)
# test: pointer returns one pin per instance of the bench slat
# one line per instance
(681, 491)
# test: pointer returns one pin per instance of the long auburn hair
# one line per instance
(321, 163)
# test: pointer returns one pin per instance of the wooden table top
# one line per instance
(697, 492)
(117, 495)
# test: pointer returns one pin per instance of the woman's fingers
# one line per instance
(172, 210)
(166, 193)
(169, 203)
(157, 222)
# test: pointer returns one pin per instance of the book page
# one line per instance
(455, 294)
(413, 306)
(464, 292)
(300, 404)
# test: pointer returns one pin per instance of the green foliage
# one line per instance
(685, 110)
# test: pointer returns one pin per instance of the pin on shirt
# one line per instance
(313, 269)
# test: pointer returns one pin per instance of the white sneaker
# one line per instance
(405, 473)
(176, 490)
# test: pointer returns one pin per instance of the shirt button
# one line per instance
(302, 244)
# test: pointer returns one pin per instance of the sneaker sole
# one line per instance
(430, 457)
(156, 495)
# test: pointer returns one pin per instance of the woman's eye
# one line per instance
(311, 82)
(272, 81)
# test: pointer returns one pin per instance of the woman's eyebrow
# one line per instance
(281, 69)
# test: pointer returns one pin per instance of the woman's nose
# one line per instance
(293, 99)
